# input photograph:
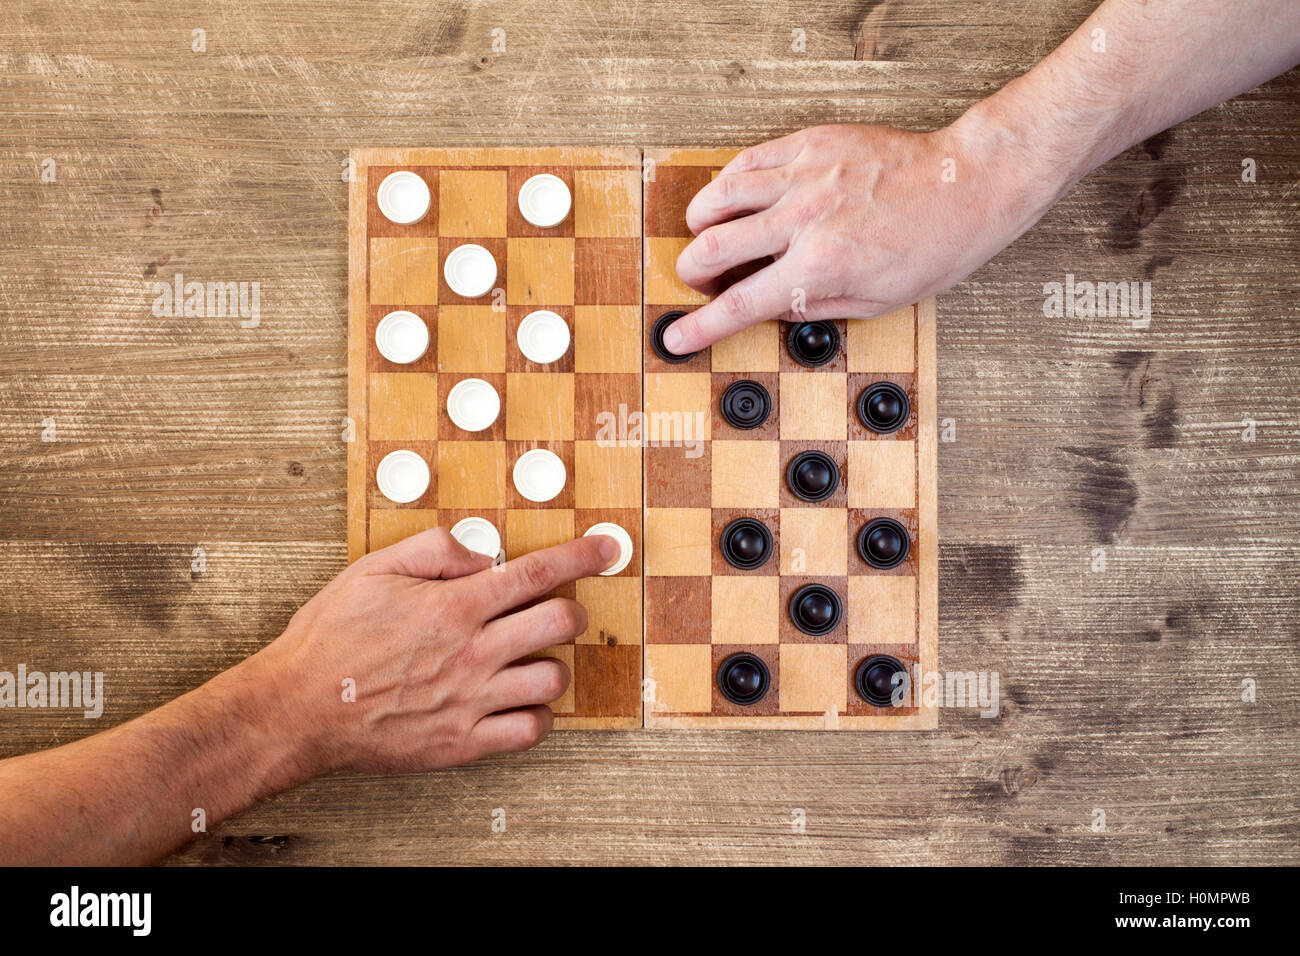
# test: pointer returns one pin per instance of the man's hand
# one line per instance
(433, 636)
(861, 220)
(430, 636)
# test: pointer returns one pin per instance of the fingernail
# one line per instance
(672, 338)
(609, 549)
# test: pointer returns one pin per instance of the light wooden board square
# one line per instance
(607, 338)
(404, 271)
(677, 541)
(882, 474)
(607, 202)
(813, 678)
(539, 271)
(683, 677)
(886, 344)
(539, 405)
(746, 474)
(564, 654)
(391, 525)
(882, 609)
(403, 405)
(471, 474)
(745, 609)
(661, 283)
(472, 203)
(535, 528)
(813, 541)
(677, 407)
(471, 338)
(814, 406)
(606, 476)
(755, 349)
(613, 610)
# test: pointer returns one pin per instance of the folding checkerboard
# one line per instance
(695, 472)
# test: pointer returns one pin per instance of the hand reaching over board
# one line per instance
(432, 637)
(864, 219)
(859, 220)
(424, 634)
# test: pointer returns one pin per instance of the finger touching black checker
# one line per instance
(657, 338)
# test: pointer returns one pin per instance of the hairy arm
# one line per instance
(431, 638)
(1134, 68)
(128, 795)
(862, 220)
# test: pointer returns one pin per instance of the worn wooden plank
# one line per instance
(1121, 688)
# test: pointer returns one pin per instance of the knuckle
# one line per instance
(818, 268)
(737, 305)
(726, 189)
(838, 175)
(535, 573)
(466, 659)
(744, 161)
(475, 653)
(462, 727)
(453, 603)
(564, 619)
(801, 216)
(709, 247)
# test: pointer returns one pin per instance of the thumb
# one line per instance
(431, 554)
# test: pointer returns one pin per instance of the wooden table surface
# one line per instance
(1121, 688)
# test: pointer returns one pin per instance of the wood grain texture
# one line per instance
(1121, 689)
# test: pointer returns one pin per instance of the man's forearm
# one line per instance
(1134, 68)
(129, 795)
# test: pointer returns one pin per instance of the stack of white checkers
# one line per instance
(473, 404)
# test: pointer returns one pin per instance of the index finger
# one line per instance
(528, 577)
(767, 294)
